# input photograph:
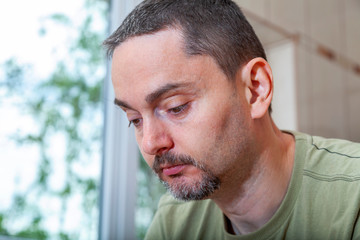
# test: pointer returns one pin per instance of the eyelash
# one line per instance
(175, 111)
(179, 109)
(133, 122)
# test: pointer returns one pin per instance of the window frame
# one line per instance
(120, 155)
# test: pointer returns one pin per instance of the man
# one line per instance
(193, 79)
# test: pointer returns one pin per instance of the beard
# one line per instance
(182, 189)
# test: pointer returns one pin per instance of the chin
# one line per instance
(186, 188)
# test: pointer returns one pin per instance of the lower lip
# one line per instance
(173, 170)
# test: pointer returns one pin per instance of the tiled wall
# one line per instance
(327, 36)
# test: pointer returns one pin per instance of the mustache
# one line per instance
(172, 159)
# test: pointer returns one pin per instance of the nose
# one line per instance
(155, 138)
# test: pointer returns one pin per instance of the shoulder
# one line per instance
(175, 218)
(335, 147)
(329, 145)
(328, 191)
(329, 177)
(329, 157)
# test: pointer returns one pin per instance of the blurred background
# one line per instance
(52, 70)
(70, 167)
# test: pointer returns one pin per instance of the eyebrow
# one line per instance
(122, 104)
(154, 96)
(158, 93)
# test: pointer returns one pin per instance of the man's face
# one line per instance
(191, 122)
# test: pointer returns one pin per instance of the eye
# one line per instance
(135, 122)
(178, 109)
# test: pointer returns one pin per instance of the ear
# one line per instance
(258, 80)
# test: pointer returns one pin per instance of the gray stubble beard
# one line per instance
(187, 190)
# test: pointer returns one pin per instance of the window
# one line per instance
(51, 74)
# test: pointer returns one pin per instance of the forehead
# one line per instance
(142, 64)
(147, 54)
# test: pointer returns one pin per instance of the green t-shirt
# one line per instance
(322, 201)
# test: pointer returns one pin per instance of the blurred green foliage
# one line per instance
(67, 103)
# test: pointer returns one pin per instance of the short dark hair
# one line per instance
(216, 28)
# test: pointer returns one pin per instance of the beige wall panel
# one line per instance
(288, 14)
(354, 116)
(353, 29)
(353, 81)
(303, 89)
(266, 35)
(258, 7)
(328, 103)
(325, 23)
(353, 101)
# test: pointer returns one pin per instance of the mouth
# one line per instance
(173, 169)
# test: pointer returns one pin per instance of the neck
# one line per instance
(255, 201)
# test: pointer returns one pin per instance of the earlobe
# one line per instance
(258, 79)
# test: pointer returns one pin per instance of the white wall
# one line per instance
(281, 59)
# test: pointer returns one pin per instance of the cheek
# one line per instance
(212, 126)
(201, 135)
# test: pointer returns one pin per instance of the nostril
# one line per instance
(162, 151)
